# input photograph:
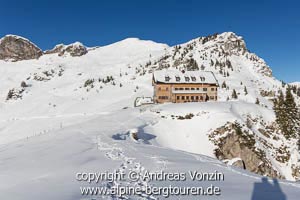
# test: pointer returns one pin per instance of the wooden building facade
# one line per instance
(180, 87)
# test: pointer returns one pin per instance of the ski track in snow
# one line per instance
(113, 152)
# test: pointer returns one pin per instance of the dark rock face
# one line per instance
(232, 147)
(16, 48)
(75, 49)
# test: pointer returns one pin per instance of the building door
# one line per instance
(206, 98)
(201, 98)
(177, 99)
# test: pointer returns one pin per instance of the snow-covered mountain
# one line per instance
(295, 83)
(62, 114)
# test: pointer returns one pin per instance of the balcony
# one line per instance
(188, 90)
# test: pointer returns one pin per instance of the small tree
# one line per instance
(280, 111)
(202, 67)
(294, 89)
(88, 82)
(287, 114)
(257, 101)
(192, 65)
(234, 94)
(10, 94)
(23, 84)
(245, 90)
(293, 115)
(228, 63)
(224, 85)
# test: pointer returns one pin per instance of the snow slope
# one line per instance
(44, 167)
(73, 118)
(295, 83)
(189, 135)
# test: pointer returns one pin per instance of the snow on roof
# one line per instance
(176, 76)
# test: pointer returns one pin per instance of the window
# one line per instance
(192, 97)
(187, 78)
(197, 97)
(187, 97)
(198, 88)
(193, 78)
(201, 98)
(167, 78)
(178, 97)
(180, 88)
(163, 97)
(187, 88)
(212, 97)
(182, 97)
(192, 88)
(212, 89)
(177, 78)
(176, 88)
(205, 89)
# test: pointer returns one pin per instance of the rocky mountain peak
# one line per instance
(74, 49)
(233, 42)
(15, 48)
(215, 52)
(228, 43)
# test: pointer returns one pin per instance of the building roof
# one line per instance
(176, 76)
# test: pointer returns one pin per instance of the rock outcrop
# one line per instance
(231, 44)
(237, 162)
(16, 48)
(233, 143)
(75, 49)
(220, 52)
(57, 49)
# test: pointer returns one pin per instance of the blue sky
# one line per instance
(271, 29)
